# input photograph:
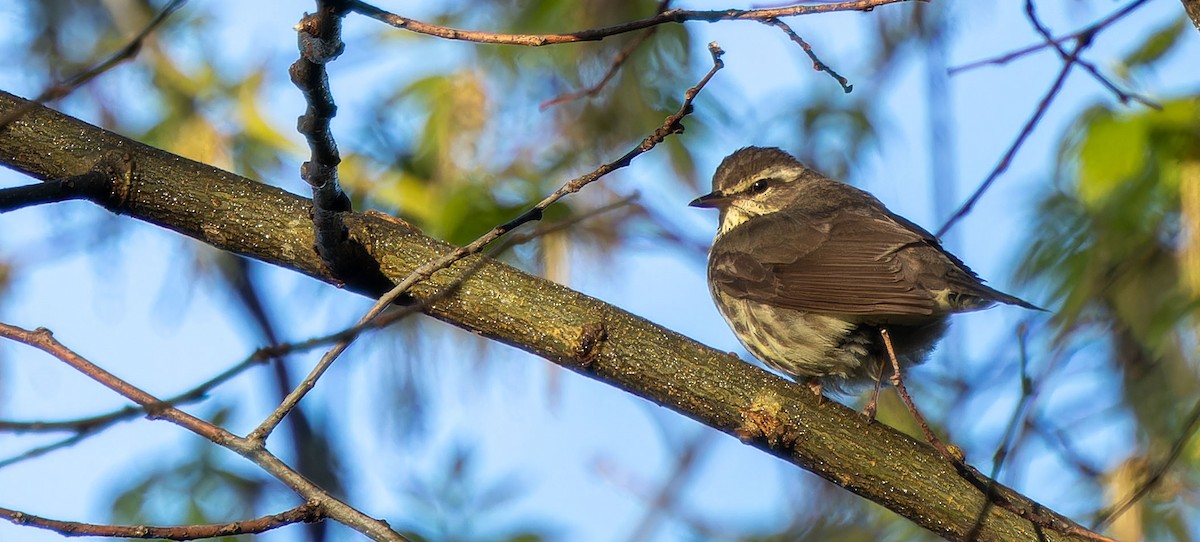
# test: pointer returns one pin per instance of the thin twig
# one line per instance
(1121, 95)
(44, 340)
(617, 62)
(1006, 446)
(595, 34)
(1006, 160)
(59, 90)
(39, 451)
(672, 125)
(1059, 439)
(817, 64)
(305, 513)
(1089, 30)
(92, 185)
(1028, 394)
(521, 238)
(94, 423)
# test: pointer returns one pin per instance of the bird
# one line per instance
(811, 274)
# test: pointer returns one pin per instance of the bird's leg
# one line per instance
(898, 382)
(869, 410)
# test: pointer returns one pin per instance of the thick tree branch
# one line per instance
(578, 332)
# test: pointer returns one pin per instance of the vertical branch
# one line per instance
(320, 42)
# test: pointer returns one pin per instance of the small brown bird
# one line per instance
(807, 270)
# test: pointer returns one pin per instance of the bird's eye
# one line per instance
(760, 186)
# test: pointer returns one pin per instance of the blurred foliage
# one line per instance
(1154, 48)
(454, 504)
(461, 150)
(1111, 237)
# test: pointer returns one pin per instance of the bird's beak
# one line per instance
(709, 201)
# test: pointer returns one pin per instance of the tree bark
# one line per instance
(568, 328)
(1192, 7)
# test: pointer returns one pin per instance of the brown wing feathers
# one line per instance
(852, 266)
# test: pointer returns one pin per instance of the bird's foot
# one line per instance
(869, 410)
(815, 386)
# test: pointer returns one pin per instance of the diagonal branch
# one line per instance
(581, 333)
(1156, 474)
(622, 56)
(44, 340)
(1002, 166)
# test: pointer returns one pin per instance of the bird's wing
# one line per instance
(854, 262)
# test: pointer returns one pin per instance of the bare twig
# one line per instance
(305, 513)
(94, 423)
(1121, 95)
(521, 238)
(1059, 439)
(817, 64)
(1005, 447)
(92, 185)
(1005, 160)
(59, 90)
(596, 34)
(44, 449)
(42, 339)
(1089, 30)
(1029, 393)
(617, 62)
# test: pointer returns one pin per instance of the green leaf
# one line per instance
(1113, 150)
(1157, 45)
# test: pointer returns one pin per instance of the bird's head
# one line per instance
(754, 181)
